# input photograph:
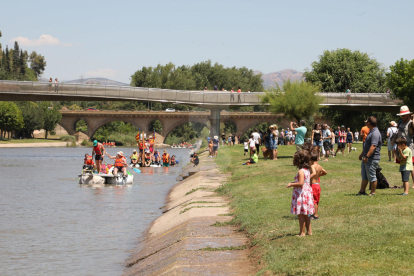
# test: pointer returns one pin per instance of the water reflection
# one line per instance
(51, 226)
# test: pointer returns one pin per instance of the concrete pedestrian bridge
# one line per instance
(40, 91)
(169, 120)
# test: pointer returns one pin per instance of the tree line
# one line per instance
(16, 64)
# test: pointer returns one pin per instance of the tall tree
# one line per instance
(11, 118)
(338, 70)
(51, 117)
(37, 63)
(296, 99)
(16, 58)
(22, 62)
(400, 80)
(32, 118)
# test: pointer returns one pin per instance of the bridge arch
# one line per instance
(156, 124)
(103, 121)
(170, 127)
(75, 124)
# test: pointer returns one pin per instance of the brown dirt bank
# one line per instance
(183, 241)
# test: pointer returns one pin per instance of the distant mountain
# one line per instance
(101, 81)
(279, 76)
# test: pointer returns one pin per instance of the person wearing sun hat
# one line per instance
(215, 146)
(406, 130)
(391, 131)
(120, 163)
(99, 151)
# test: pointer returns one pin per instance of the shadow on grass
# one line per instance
(282, 236)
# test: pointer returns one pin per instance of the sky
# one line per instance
(113, 39)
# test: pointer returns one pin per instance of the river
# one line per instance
(50, 225)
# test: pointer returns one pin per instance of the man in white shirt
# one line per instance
(327, 137)
(256, 138)
(390, 143)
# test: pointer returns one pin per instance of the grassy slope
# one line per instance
(354, 235)
(35, 140)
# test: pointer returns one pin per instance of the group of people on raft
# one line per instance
(146, 159)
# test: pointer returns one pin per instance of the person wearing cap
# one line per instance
(406, 130)
(120, 163)
(99, 151)
(370, 156)
(215, 145)
(166, 160)
(134, 157)
(391, 145)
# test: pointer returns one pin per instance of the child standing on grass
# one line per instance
(302, 199)
(316, 172)
(252, 145)
(246, 147)
(404, 154)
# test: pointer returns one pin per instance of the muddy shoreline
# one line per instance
(191, 237)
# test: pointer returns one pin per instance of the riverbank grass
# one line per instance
(355, 235)
(33, 140)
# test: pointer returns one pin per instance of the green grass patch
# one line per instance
(224, 248)
(194, 190)
(355, 235)
(35, 140)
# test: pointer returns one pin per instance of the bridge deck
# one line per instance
(20, 90)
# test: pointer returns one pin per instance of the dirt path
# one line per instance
(183, 241)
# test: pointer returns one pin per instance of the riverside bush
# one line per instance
(68, 138)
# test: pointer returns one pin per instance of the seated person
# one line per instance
(156, 159)
(173, 160)
(254, 159)
(134, 157)
(147, 161)
(120, 163)
(194, 159)
(88, 163)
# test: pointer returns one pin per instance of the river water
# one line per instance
(50, 225)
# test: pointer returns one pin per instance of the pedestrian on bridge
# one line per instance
(56, 85)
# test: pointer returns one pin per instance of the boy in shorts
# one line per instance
(405, 155)
(316, 172)
(246, 147)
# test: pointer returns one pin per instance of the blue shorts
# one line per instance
(405, 175)
(317, 143)
(369, 170)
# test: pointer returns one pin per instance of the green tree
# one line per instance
(289, 99)
(51, 117)
(37, 63)
(32, 118)
(337, 70)
(11, 118)
(400, 80)
(16, 59)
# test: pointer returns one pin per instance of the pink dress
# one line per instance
(302, 198)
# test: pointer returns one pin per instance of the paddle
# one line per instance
(136, 170)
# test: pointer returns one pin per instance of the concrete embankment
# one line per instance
(192, 237)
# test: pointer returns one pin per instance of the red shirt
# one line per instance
(238, 91)
(341, 139)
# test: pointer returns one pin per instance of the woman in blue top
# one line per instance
(349, 139)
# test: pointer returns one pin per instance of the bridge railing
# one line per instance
(179, 96)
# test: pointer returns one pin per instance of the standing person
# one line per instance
(223, 139)
(327, 138)
(231, 94)
(215, 87)
(233, 139)
(316, 137)
(406, 129)
(341, 140)
(370, 157)
(302, 198)
(316, 172)
(257, 141)
(356, 135)
(337, 135)
(252, 145)
(332, 141)
(300, 133)
(99, 151)
(238, 94)
(246, 147)
(275, 141)
(215, 145)
(282, 137)
(348, 95)
(391, 145)
(56, 85)
(349, 139)
(210, 148)
(364, 133)
(50, 84)
(405, 156)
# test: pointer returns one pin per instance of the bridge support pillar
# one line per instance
(215, 122)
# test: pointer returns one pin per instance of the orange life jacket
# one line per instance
(210, 145)
(119, 162)
(141, 145)
(89, 161)
(166, 158)
(97, 149)
(151, 143)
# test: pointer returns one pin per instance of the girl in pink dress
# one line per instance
(302, 197)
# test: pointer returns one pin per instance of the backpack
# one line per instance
(382, 182)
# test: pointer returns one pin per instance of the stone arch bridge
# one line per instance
(169, 120)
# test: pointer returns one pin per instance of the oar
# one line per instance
(135, 170)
